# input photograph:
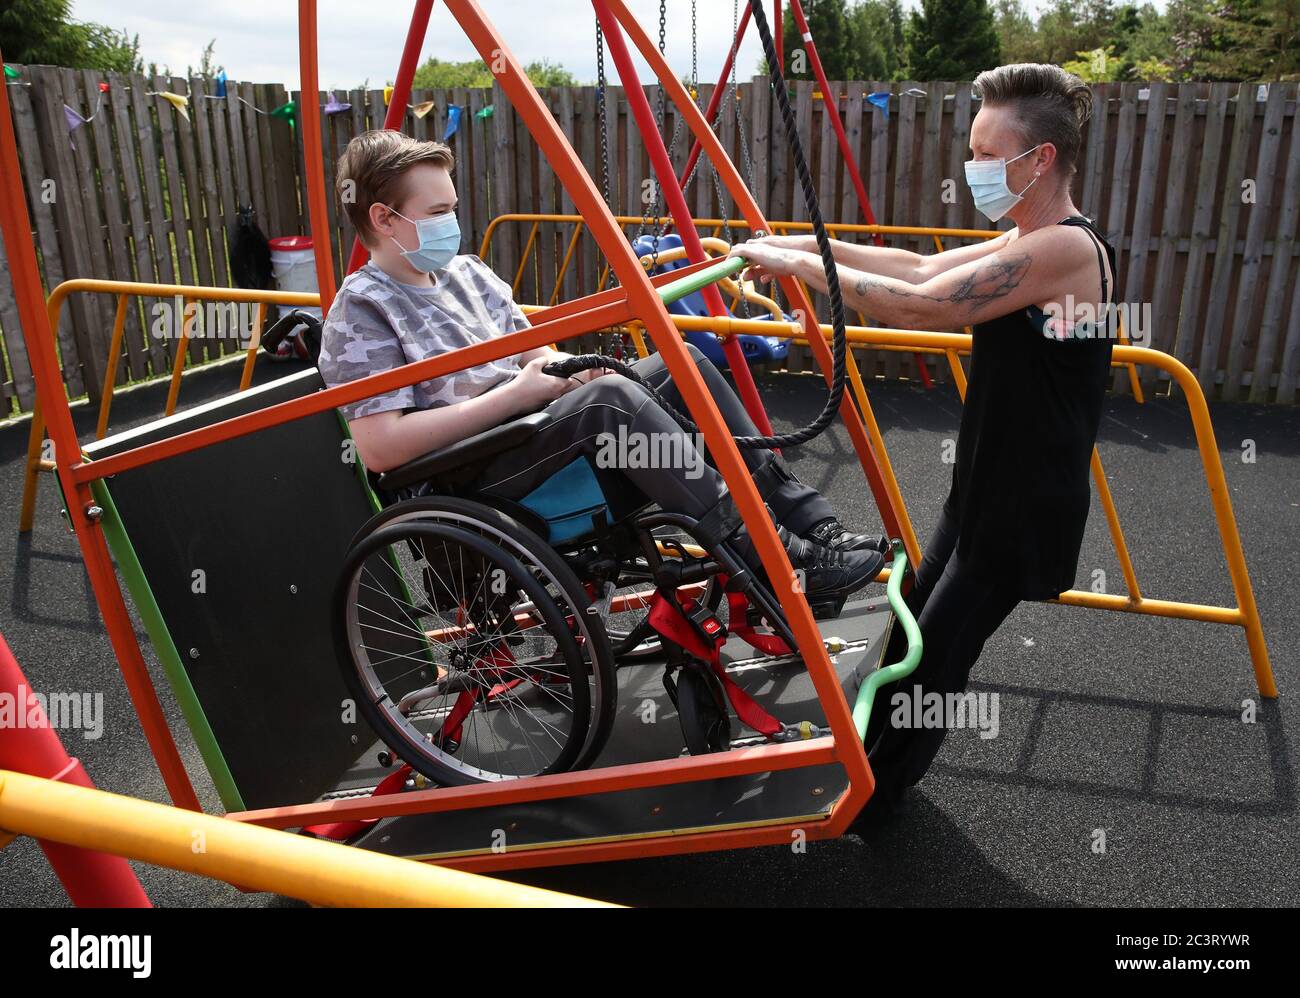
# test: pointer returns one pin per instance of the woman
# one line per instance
(1038, 298)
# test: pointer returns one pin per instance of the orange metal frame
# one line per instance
(634, 298)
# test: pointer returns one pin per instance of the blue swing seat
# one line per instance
(757, 349)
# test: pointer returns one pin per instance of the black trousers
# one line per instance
(584, 419)
(958, 605)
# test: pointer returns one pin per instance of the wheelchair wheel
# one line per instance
(459, 657)
(559, 580)
(702, 710)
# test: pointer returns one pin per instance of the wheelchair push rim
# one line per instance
(458, 685)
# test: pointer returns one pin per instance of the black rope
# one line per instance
(839, 345)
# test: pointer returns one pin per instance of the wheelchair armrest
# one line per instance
(471, 450)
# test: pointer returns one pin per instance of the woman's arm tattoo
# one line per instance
(987, 283)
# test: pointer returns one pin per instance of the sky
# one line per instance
(257, 39)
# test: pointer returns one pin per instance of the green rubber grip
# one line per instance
(725, 267)
(899, 670)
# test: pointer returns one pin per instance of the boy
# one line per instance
(417, 298)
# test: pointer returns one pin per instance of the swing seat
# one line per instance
(757, 349)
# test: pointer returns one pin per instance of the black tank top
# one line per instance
(1020, 486)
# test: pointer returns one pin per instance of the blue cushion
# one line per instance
(570, 501)
(757, 349)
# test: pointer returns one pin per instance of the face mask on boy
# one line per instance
(987, 179)
(439, 240)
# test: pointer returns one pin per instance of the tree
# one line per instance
(208, 67)
(952, 40)
(828, 20)
(435, 74)
(1017, 33)
(43, 32)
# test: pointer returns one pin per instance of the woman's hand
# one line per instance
(768, 257)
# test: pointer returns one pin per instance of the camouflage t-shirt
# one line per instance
(377, 323)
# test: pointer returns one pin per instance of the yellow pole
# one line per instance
(254, 344)
(110, 369)
(523, 258)
(178, 366)
(254, 858)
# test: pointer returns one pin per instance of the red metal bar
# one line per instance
(830, 107)
(667, 177)
(92, 879)
(396, 113)
(53, 399)
(778, 33)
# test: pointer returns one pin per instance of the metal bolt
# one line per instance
(293, 589)
(194, 653)
(353, 739)
(94, 512)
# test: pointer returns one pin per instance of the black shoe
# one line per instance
(830, 533)
(830, 575)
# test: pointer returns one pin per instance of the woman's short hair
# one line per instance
(1050, 104)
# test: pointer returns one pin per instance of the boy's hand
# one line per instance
(536, 389)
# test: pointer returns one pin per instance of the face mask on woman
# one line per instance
(987, 179)
(439, 240)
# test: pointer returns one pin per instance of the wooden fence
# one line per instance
(1201, 200)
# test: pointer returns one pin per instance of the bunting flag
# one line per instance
(11, 73)
(221, 84)
(422, 108)
(334, 107)
(485, 113)
(178, 101)
(880, 100)
(73, 119)
(388, 96)
(103, 88)
(453, 121)
(287, 111)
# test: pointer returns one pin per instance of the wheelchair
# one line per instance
(477, 633)
(479, 636)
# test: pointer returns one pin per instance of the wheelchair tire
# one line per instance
(564, 590)
(702, 710)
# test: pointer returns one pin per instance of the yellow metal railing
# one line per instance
(534, 221)
(125, 290)
(250, 856)
(952, 345)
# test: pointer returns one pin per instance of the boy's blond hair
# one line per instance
(371, 171)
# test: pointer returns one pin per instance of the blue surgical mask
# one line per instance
(987, 179)
(439, 240)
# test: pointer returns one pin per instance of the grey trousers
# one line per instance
(585, 420)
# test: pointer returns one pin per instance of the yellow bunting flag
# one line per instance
(422, 108)
(178, 101)
(388, 95)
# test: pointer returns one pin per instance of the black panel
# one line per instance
(259, 514)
